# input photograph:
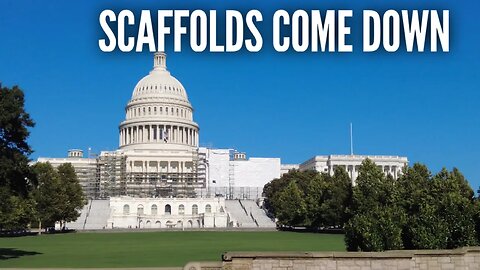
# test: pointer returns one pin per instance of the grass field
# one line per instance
(150, 249)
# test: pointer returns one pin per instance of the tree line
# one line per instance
(419, 210)
(31, 194)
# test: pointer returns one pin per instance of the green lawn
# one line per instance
(150, 249)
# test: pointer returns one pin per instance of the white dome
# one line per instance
(159, 115)
(159, 84)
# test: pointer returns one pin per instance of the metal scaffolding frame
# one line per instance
(114, 180)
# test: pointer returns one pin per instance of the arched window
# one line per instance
(140, 209)
(194, 209)
(168, 209)
(126, 209)
(181, 209)
(208, 208)
(154, 209)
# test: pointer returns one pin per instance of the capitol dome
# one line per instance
(159, 83)
(159, 113)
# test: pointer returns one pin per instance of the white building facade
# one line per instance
(179, 213)
(234, 175)
(390, 165)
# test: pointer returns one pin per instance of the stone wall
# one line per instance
(458, 259)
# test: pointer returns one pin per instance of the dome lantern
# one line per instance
(160, 61)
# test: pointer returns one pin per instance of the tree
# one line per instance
(292, 209)
(15, 176)
(440, 211)
(456, 207)
(477, 216)
(49, 196)
(325, 197)
(337, 198)
(72, 193)
(272, 189)
(15, 212)
(14, 149)
(377, 220)
(313, 197)
(425, 228)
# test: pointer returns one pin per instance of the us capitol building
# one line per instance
(160, 176)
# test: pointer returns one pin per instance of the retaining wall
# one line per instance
(458, 259)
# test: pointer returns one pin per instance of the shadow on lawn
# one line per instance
(13, 253)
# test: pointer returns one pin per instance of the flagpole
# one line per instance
(351, 138)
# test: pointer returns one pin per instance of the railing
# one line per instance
(254, 220)
(243, 207)
(87, 214)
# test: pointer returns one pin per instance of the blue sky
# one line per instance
(291, 105)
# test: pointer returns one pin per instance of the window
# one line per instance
(140, 209)
(194, 209)
(168, 209)
(154, 209)
(181, 209)
(208, 208)
(126, 209)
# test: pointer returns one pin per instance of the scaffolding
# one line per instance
(115, 180)
(111, 172)
(231, 180)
